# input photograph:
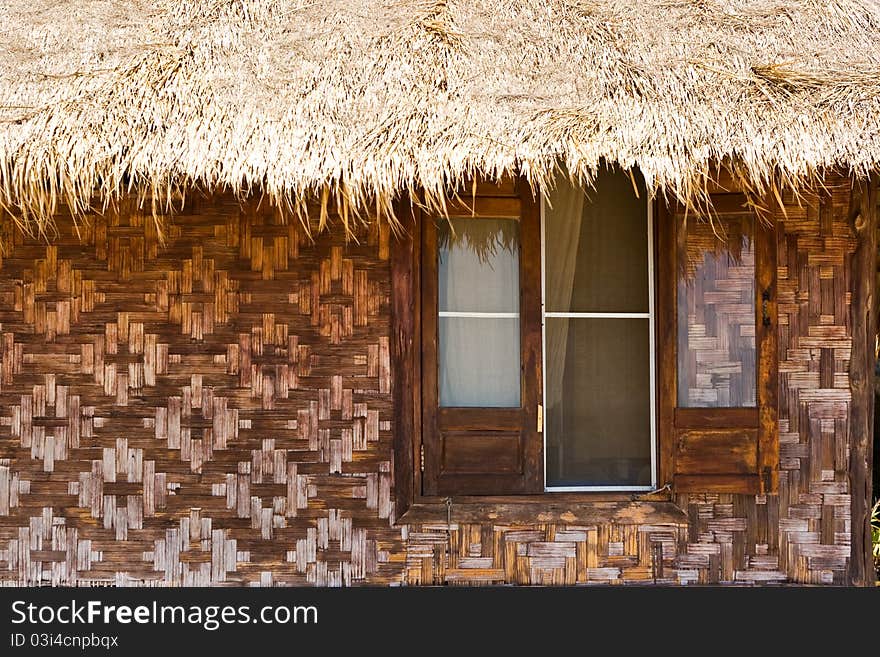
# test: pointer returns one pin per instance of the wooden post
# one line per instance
(403, 329)
(863, 309)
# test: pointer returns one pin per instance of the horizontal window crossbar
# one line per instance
(452, 313)
(597, 489)
(600, 315)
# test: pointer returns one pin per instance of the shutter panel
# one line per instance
(718, 403)
(484, 450)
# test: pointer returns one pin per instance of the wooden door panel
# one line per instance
(485, 450)
(475, 452)
(714, 439)
(721, 418)
(716, 451)
(480, 419)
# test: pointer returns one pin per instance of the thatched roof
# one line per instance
(366, 98)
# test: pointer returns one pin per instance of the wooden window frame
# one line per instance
(674, 423)
(406, 350)
(411, 505)
(485, 450)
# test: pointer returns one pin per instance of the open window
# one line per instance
(717, 338)
(590, 341)
(481, 352)
(537, 342)
(598, 336)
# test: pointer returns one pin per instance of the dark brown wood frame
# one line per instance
(406, 349)
(726, 427)
(863, 309)
(406, 366)
(485, 450)
(406, 357)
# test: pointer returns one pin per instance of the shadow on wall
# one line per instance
(876, 463)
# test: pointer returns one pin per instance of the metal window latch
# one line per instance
(540, 418)
(765, 307)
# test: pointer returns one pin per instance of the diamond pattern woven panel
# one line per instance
(212, 411)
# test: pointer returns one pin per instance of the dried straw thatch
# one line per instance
(360, 100)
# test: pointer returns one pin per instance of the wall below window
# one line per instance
(218, 409)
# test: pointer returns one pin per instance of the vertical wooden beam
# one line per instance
(768, 356)
(863, 309)
(665, 290)
(428, 337)
(530, 317)
(404, 296)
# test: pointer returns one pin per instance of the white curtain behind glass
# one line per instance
(479, 330)
(563, 229)
(597, 363)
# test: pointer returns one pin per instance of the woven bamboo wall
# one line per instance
(217, 411)
(214, 411)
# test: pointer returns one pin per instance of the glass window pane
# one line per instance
(597, 246)
(716, 313)
(479, 327)
(479, 361)
(598, 423)
(478, 265)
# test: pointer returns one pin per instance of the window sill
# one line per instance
(570, 510)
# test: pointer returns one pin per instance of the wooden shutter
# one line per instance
(485, 450)
(733, 447)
